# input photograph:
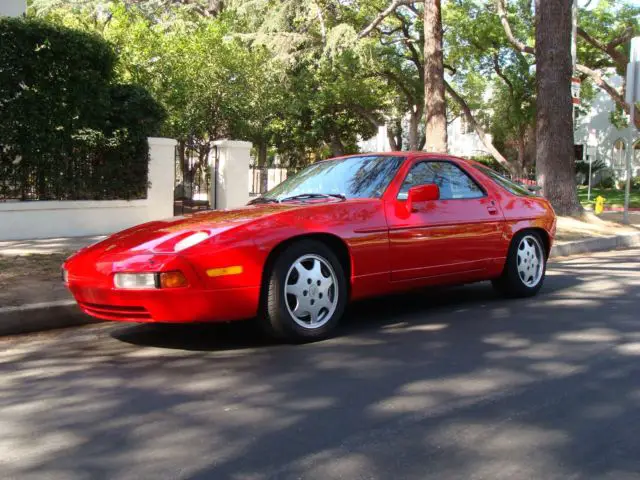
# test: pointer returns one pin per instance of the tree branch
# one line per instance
(384, 14)
(450, 68)
(625, 37)
(395, 79)
(610, 48)
(500, 73)
(323, 28)
(616, 95)
(409, 42)
(520, 46)
(476, 126)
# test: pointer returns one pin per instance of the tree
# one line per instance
(554, 118)
(604, 33)
(554, 122)
(435, 111)
(434, 88)
(69, 129)
(333, 98)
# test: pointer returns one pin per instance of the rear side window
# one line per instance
(506, 183)
(453, 182)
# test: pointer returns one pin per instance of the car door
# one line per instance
(456, 235)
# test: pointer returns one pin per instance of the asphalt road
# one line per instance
(446, 384)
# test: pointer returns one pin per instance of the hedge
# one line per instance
(68, 131)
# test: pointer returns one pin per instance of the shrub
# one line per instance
(68, 131)
(606, 182)
(490, 162)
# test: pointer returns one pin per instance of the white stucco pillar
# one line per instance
(231, 185)
(162, 153)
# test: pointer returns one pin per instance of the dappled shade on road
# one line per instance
(443, 384)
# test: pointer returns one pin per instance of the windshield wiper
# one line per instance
(258, 200)
(305, 196)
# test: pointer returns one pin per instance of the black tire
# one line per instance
(276, 318)
(510, 282)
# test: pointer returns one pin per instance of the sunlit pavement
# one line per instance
(449, 384)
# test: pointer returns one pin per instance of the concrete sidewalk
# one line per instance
(46, 245)
(59, 310)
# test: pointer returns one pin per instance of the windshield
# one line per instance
(351, 177)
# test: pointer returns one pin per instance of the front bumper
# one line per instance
(180, 305)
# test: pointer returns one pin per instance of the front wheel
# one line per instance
(525, 269)
(306, 293)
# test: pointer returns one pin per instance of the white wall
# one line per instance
(12, 8)
(378, 143)
(231, 186)
(463, 143)
(48, 219)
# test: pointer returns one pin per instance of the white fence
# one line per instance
(48, 219)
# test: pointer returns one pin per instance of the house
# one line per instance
(463, 140)
(611, 144)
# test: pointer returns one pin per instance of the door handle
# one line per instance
(492, 209)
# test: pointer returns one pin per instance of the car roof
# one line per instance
(410, 154)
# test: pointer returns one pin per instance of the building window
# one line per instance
(618, 154)
(465, 127)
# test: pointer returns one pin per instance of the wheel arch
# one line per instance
(334, 242)
(543, 234)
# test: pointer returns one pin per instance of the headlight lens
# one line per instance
(148, 281)
(137, 281)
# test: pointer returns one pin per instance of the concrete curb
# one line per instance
(628, 240)
(38, 317)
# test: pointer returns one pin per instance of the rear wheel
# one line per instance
(525, 269)
(306, 293)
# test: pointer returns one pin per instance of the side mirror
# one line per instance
(422, 193)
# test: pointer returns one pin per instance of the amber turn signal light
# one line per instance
(172, 280)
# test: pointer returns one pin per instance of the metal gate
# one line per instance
(193, 176)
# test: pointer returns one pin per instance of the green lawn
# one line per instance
(613, 197)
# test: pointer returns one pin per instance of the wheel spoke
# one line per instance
(316, 270)
(302, 308)
(296, 289)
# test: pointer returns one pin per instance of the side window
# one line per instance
(453, 182)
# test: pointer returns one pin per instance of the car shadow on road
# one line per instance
(421, 309)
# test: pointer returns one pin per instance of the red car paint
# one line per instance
(385, 247)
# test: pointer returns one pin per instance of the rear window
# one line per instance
(505, 182)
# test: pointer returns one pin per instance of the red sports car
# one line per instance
(342, 229)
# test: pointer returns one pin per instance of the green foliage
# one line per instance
(607, 182)
(582, 167)
(68, 131)
(491, 163)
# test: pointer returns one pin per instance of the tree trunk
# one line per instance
(521, 152)
(392, 140)
(554, 121)
(434, 101)
(414, 122)
(262, 163)
(395, 136)
(337, 149)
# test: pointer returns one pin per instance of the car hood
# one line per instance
(163, 236)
